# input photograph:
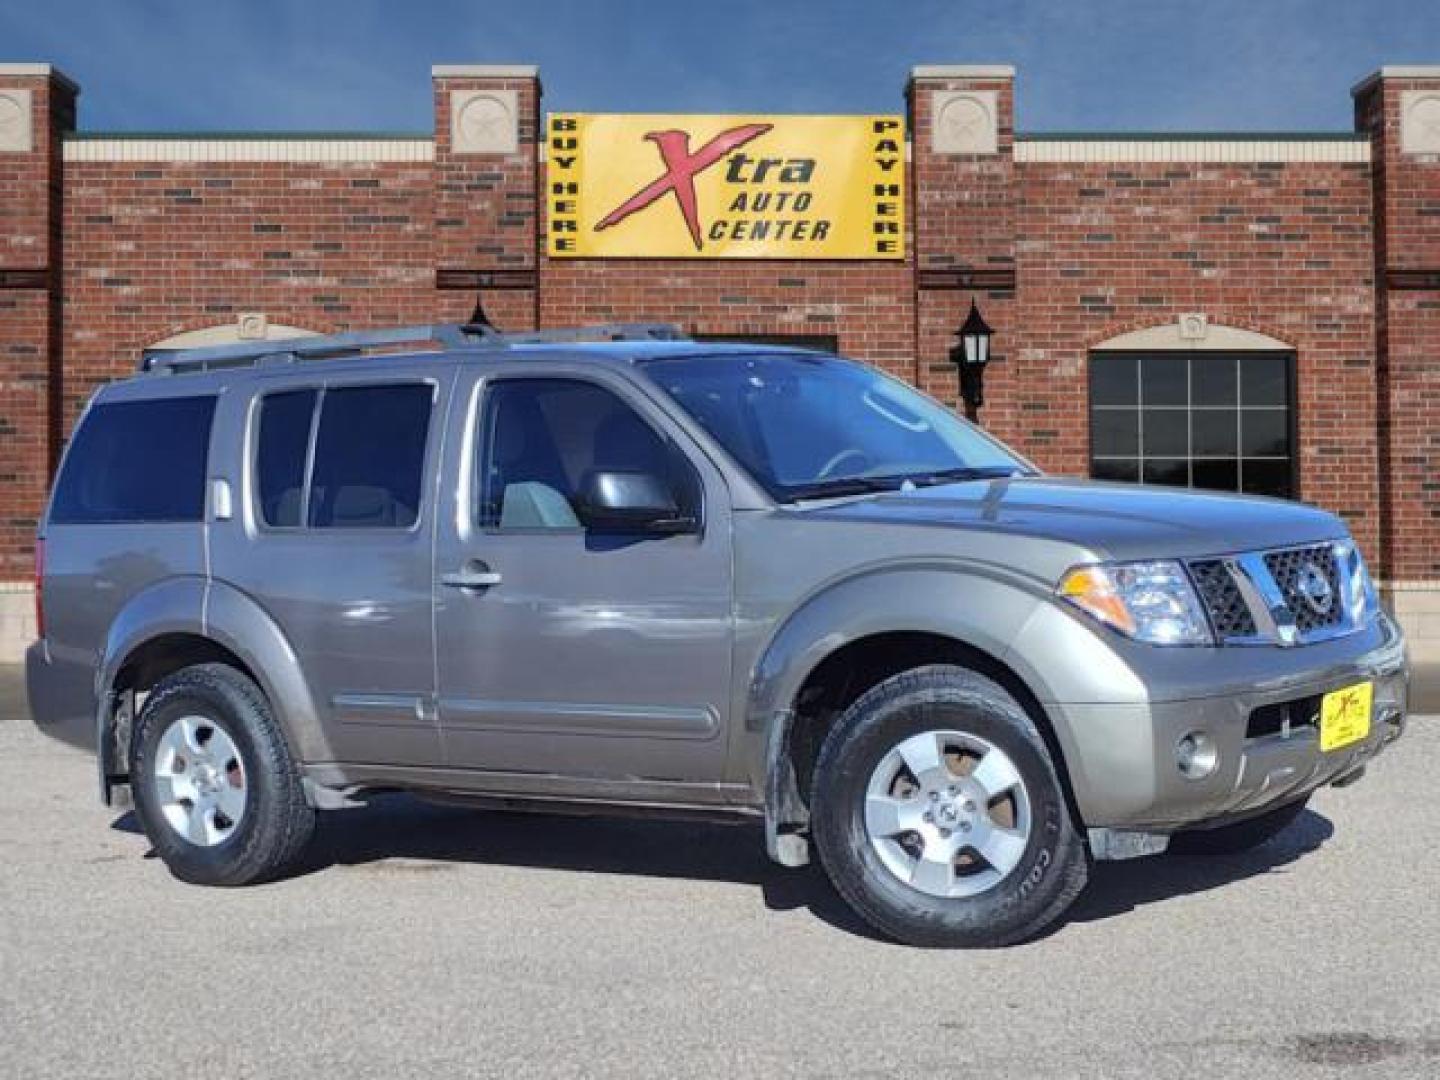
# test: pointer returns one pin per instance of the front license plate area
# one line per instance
(1345, 715)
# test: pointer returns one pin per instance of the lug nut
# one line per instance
(969, 807)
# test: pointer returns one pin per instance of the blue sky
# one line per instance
(364, 64)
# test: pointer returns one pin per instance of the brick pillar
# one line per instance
(37, 105)
(963, 195)
(1400, 108)
(487, 123)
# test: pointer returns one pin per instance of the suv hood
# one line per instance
(1115, 521)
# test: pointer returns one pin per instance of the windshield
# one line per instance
(809, 426)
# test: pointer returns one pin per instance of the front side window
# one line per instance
(815, 426)
(137, 461)
(543, 439)
(1205, 420)
(368, 462)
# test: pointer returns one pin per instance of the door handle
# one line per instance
(478, 577)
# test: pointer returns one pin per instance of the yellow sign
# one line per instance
(729, 187)
(1345, 715)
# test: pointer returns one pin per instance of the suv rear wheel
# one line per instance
(214, 784)
(939, 817)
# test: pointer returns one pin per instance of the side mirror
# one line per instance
(631, 502)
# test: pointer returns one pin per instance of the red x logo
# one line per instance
(681, 168)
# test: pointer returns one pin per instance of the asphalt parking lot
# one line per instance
(437, 942)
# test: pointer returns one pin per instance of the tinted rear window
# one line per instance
(370, 456)
(136, 461)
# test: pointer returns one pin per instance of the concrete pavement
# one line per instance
(441, 942)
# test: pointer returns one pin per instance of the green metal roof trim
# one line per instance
(251, 136)
(1191, 136)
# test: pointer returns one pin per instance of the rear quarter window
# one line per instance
(136, 461)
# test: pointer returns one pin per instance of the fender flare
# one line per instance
(221, 614)
(172, 606)
(980, 606)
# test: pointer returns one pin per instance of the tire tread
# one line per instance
(285, 821)
(915, 921)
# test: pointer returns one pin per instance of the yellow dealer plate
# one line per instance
(1345, 715)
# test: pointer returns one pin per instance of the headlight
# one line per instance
(1360, 594)
(1148, 601)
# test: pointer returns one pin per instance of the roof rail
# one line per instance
(598, 332)
(249, 353)
(359, 342)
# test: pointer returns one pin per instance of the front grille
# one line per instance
(1228, 612)
(1297, 573)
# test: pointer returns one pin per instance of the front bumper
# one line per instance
(1122, 760)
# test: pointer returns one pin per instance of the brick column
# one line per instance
(487, 122)
(1400, 108)
(963, 196)
(37, 105)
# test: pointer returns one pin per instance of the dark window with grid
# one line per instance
(1207, 420)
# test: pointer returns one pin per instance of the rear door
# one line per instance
(597, 661)
(334, 541)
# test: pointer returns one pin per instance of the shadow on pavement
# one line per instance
(399, 834)
(1118, 887)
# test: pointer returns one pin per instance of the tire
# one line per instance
(1046, 870)
(1242, 836)
(211, 717)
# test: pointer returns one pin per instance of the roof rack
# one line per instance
(360, 342)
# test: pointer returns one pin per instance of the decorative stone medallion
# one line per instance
(1194, 326)
(16, 135)
(484, 122)
(1420, 121)
(965, 122)
(252, 326)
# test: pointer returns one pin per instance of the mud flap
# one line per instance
(785, 814)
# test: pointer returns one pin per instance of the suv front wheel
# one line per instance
(938, 815)
(215, 787)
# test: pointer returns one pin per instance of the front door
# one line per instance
(566, 650)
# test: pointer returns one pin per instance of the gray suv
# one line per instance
(624, 571)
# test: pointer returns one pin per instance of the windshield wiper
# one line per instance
(842, 486)
(966, 472)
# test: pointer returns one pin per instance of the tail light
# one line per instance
(40, 588)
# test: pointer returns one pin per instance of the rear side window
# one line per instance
(136, 461)
(370, 456)
(284, 443)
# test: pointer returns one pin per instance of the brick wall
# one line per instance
(158, 248)
(867, 306)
